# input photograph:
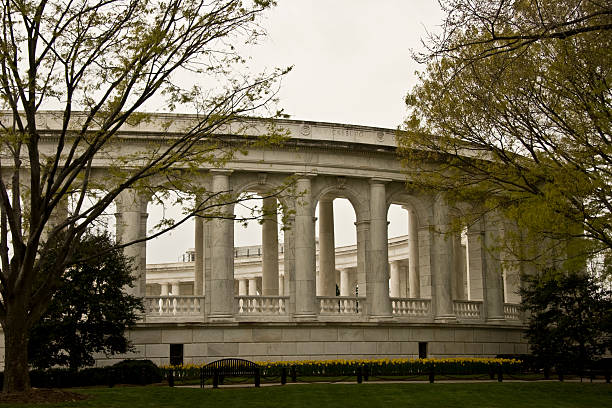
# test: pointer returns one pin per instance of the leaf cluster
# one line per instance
(514, 112)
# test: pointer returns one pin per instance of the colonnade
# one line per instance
(436, 266)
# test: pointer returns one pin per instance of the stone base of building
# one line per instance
(203, 343)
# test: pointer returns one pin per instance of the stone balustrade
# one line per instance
(340, 305)
(348, 306)
(468, 310)
(411, 307)
(168, 306)
(512, 311)
(261, 305)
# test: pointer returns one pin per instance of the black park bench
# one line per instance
(229, 367)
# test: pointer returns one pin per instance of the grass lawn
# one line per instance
(481, 395)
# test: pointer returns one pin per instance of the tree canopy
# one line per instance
(99, 65)
(90, 311)
(514, 107)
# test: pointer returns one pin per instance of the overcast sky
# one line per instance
(351, 64)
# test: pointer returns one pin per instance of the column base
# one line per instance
(380, 318)
(305, 317)
(445, 319)
(221, 318)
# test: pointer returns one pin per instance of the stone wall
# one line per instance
(256, 341)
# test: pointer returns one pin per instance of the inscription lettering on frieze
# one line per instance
(347, 134)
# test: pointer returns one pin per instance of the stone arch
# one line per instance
(330, 280)
(261, 184)
(421, 204)
(348, 191)
(419, 239)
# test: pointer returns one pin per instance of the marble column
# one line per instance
(458, 268)
(327, 250)
(353, 282)
(305, 256)
(253, 287)
(175, 289)
(394, 280)
(404, 291)
(131, 225)
(414, 280)
(345, 289)
(281, 285)
(378, 281)
(289, 263)
(363, 243)
(492, 271)
(58, 215)
(242, 287)
(270, 248)
(442, 263)
(475, 255)
(198, 283)
(222, 248)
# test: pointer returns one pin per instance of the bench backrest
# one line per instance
(230, 366)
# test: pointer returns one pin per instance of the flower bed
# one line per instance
(379, 367)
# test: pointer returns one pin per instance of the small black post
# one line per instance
(359, 375)
(143, 376)
(283, 375)
(257, 377)
(111, 377)
(431, 376)
(171, 378)
(607, 374)
(366, 373)
(201, 377)
(215, 379)
(547, 373)
(500, 374)
(293, 374)
(560, 374)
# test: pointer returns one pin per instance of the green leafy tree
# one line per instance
(100, 64)
(514, 109)
(90, 310)
(570, 319)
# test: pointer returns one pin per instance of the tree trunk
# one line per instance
(16, 336)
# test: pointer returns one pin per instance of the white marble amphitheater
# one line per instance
(423, 294)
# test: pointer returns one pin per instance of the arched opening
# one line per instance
(258, 246)
(398, 255)
(404, 263)
(171, 255)
(336, 248)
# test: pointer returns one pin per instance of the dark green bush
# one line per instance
(125, 372)
(136, 372)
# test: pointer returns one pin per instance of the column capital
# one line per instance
(131, 199)
(306, 175)
(379, 180)
(221, 171)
